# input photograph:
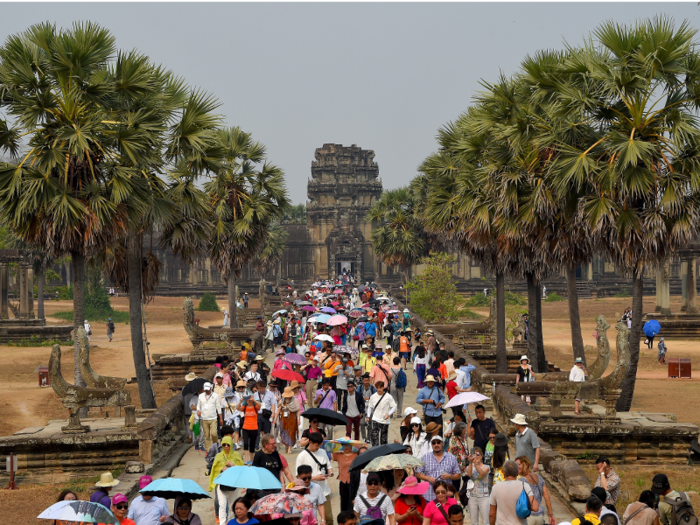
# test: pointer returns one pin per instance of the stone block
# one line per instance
(134, 467)
(573, 478)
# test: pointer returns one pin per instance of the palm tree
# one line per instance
(246, 195)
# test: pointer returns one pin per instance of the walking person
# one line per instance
(526, 442)
(101, 493)
(416, 438)
(88, 332)
(641, 512)
(287, 413)
(420, 362)
(662, 351)
(344, 460)
(344, 373)
(431, 398)
(110, 329)
(524, 374)
(353, 408)
(578, 374)
(540, 492)
(379, 411)
(321, 470)
(410, 505)
(208, 411)
(478, 473)
(374, 503)
(505, 495)
(148, 510)
(367, 390)
(436, 511)
(302, 402)
(438, 465)
(326, 398)
(398, 384)
(250, 409)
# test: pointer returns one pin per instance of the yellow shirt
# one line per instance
(595, 520)
(369, 363)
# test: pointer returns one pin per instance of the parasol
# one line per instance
(279, 312)
(337, 320)
(323, 337)
(375, 452)
(651, 328)
(77, 511)
(288, 375)
(345, 349)
(465, 398)
(194, 386)
(328, 310)
(308, 308)
(393, 461)
(336, 445)
(294, 359)
(170, 488)
(282, 503)
(325, 416)
(256, 478)
(356, 312)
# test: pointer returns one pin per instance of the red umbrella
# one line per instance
(288, 375)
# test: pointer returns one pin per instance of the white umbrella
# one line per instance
(79, 511)
(465, 398)
(323, 337)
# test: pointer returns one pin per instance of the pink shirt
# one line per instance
(433, 513)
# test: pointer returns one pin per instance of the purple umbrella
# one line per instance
(328, 310)
(308, 308)
(294, 359)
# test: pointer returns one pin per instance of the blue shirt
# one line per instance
(370, 329)
(434, 469)
(431, 393)
(234, 521)
(468, 375)
(148, 512)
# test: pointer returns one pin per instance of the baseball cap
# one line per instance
(415, 421)
(437, 437)
(207, 386)
(660, 484)
(579, 360)
(119, 498)
(144, 481)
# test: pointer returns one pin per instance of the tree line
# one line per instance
(593, 149)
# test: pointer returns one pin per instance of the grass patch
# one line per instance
(624, 292)
(117, 316)
(553, 298)
(479, 301)
(34, 341)
(467, 313)
(208, 303)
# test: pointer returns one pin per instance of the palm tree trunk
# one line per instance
(501, 357)
(78, 263)
(624, 403)
(134, 265)
(532, 290)
(262, 294)
(232, 310)
(541, 358)
(40, 280)
(574, 316)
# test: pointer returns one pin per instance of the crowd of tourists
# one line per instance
(466, 469)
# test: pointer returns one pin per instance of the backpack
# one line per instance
(374, 512)
(522, 506)
(682, 512)
(401, 379)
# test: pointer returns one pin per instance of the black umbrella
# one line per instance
(375, 452)
(194, 386)
(325, 416)
(361, 288)
(373, 301)
(362, 319)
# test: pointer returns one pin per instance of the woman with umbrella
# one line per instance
(313, 427)
(182, 512)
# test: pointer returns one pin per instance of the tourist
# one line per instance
(431, 398)
(68, 495)
(490, 446)
(187, 401)
(539, 490)
(101, 494)
(478, 473)
(208, 411)
(431, 342)
(438, 465)
(353, 408)
(219, 387)
(416, 438)
(88, 332)
(315, 493)
(662, 351)
(120, 508)
(344, 373)
(250, 409)
(464, 375)
(398, 384)
(314, 427)
(641, 512)
(182, 512)
(404, 351)
(410, 505)
(301, 399)
(226, 430)
(405, 426)
(347, 517)
(269, 337)
(287, 414)
(435, 512)
(498, 460)
(379, 410)
(505, 495)
(608, 479)
(307, 517)
(226, 323)
(321, 469)
(526, 442)
(252, 373)
(368, 361)
(607, 507)
(245, 300)
(148, 510)
(269, 459)
(374, 503)
(480, 428)
(459, 448)
(241, 513)
(110, 329)
(661, 486)
(330, 366)
(326, 398)
(313, 373)
(344, 460)
(456, 515)
(525, 374)
(592, 514)
(268, 404)
(578, 374)
(420, 362)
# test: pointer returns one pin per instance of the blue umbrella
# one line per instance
(651, 328)
(321, 318)
(248, 478)
(170, 488)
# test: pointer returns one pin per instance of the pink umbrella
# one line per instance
(336, 303)
(338, 291)
(337, 320)
(356, 313)
(369, 310)
(308, 308)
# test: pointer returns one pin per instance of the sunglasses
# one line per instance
(187, 508)
(226, 445)
(440, 492)
(372, 483)
(436, 442)
(415, 425)
(122, 506)
(315, 422)
(294, 519)
(305, 478)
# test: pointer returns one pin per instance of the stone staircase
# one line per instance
(583, 289)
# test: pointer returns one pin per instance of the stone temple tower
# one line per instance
(343, 187)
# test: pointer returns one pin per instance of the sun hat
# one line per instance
(408, 411)
(415, 421)
(501, 440)
(241, 364)
(405, 310)
(259, 358)
(288, 392)
(524, 358)
(294, 384)
(579, 360)
(207, 386)
(191, 376)
(228, 392)
(357, 367)
(107, 480)
(411, 486)
(453, 375)
(279, 352)
(241, 384)
(429, 378)
(119, 498)
(519, 419)
(432, 427)
(144, 481)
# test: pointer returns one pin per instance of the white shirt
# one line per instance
(460, 379)
(252, 375)
(209, 405)
(386, 408)
(304, 458)
(315, 494)
(577, 375)
(416, 444)
(387, 507)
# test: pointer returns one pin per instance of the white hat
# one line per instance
(219, 374)
(107, 480)
(408, 411)
(405, 310)
(519, 419)
(436, 436)
(207, 386)
(429, 378)
(191, 376)
(524, 358)
(415, 421)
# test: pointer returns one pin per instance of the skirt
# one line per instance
(420, 372)
(290, 428)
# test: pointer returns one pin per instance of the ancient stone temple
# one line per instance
(343, 186)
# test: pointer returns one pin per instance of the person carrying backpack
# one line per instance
(398, 385)
(374, 503)
(674, 507)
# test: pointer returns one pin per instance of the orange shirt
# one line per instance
(443, 371)
(329, 368)
(403, 344)
(250, 421)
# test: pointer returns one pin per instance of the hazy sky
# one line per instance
(382, 76)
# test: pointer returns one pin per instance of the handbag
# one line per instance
(522, 506)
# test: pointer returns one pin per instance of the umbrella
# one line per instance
(328, 310)
(382, 299)
(279, 312)
(337, 320)
(79, 511)
(308, 308)
(288, 375)
(362, 319)
(336, 445)
(294, 359)
(394, 312)
(194, 386)
(170, 488)
(465, 398)
(366, 305)
(375, 452)
(361, 288)
(369, 310)
(323, 337)
(305, 303)
(345, 349)
(356, 312)
(283, 503)
(320, 318)
(248, 478)
(335, 303)
(393, 461)
(651, 328)
(325, 416)
(337, 291)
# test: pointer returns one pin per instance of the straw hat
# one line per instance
(191, 376)
(429, 379)
(432, 427)
(453, 375)
(107, 480)
(288, 392)
(259, 358)
(294, 384)
(519, 419)
(412, 487)
(241, 383)
(241, 364)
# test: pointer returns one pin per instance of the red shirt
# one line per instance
(400, 507)
(452, 389)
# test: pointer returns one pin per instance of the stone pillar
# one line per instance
(23, 305)
(589, 275)
(659, 292)
(684, 285)
(692, 286)
(30, 293)
(4, 289)
(665, 289)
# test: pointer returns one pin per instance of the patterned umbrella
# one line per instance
(77, 511)
(283, 503)
(393, 461)
(308, 308)
(294, 359)
(345, 349)
(336, 445)
(357, 312)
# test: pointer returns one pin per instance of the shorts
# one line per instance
(405, 355)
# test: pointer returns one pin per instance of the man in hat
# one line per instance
(326, 398)
(524, 374)
(344, 374)
(367, 391)
(431, 429)
(219, 387)
(526, 442)
(578, 374)
(208, 411)
(148, 510)
(661, 486)
(432, 399)
(245, 300)
(269, 336)
(368, 362)
(373, 498)
(438, 464)
(268, 404)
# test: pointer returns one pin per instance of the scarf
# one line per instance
(220, 461)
